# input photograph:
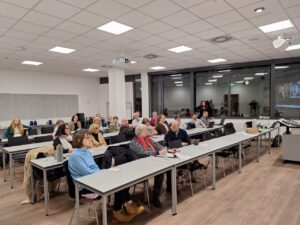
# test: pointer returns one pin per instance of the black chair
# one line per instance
(129, 121)
(118, 138)
(47, 130)
(175, 144)
(206, 136)
(32, 131)
(43, 139)
(14, 141)
(190, 126)
(249, 124)
(218, 133)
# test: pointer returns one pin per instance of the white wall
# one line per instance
(24, 82)
(176, 98)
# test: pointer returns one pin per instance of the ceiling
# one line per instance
(29, 28)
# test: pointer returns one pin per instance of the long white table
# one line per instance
(20, 151)
(31, 137)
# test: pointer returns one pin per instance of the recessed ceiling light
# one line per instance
(33, 63)
(240, 82)
(224, 71)
(260, 74)
(179, 85)
(114, 27)
(176, 75)
(180, 49)
(208, 84)
(178, 82)
(281, 67)
(216, 60)
(157, 67)
(276, 26)
(248, 78)
(259, 9)
(214, 80)
(218, 76)
(293, 47)
(133, 62)
(62, 50)
(90, 70)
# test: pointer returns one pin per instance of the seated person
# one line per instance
(97, 137)
(205, 118)
(153, 119)
(142, 146)
(196, 121)
(136, 119)
(114, 126)
(57, 124)
(16, 129)
(63, 137)
(127, 129)
(82, 163)
(151, 130)
(75, 123)
(108, 122)
(162, 125)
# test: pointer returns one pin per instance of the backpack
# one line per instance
(277, 141)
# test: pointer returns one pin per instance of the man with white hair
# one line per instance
(136, 119)
(143, 146)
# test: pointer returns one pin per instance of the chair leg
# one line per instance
(146, 187)
(70, 222)
(95, 210)
(191, 183)
(204, 177)
(58, 185)
(243, 157)
(133, 193)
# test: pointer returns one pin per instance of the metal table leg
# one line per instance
(4, 164)
(32, 184)
(46, 192)
(174, 191)
(257, 149)
(270, 142)
(11, 172)
(240, 157)
(77, 204)
(213, 177)
(104, 210)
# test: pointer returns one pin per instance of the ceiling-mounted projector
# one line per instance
(281, 43)
(121, 60)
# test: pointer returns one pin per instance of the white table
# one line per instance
(19, 150)
(31, 137)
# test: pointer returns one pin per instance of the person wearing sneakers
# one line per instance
(82, 163)
(143, 146)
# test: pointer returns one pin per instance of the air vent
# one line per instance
(150, 56)
(221, 39)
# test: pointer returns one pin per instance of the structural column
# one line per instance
(145, 94)
(117, 95)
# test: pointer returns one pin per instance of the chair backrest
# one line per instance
(190, 126)
(229, 129)
(175, 144)
(206, 136)
(47, 130)
(118, 138)
(43, 139)
(71, 186)
(249, 124)
(218, 133)
(32, 131)
(14, 141)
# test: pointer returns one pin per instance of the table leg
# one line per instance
(77, 204)
(213, 176)
(278, 136)
(257, 149)
(11, 172)
(104, 210)
(240, 157)
(174, 191)
(270, 142)
(4, 164)
(46, 192)
(32, 191)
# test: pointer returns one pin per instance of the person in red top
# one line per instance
(153, 119)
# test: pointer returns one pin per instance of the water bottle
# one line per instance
(59, 153)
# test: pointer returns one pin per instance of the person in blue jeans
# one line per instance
(82, 163)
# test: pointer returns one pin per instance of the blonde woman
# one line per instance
(16, 128)
(98, 139)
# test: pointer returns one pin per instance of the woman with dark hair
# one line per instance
(202, 107)
(75, 123)
(208, 109)
(63, 137)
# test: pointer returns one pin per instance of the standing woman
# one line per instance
(75, 123)
(202, 108)
(162, 125)
(63, 137)
(97, 137)
(16, 129)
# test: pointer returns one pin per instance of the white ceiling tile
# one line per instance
(153, 40)
(134, 3)
(21, 35)
(247, 33)
(136, 34)
(98, 35)
(210, 34)
(188, 3)
(41, 19)
(118, 40)
(24, 3)
(73, 27)
(12, 41)
(156, 27)
(108, 8)
(181, 18)
(197, 27)
(45, 42)
(89, 19)
(83, 40)
(225, 18)
(231, 43)
(60, 35)
(138, 45)
(294, 11)
(210, 8)
(296, 22)
(187, 39)
(159, 9)
(79, 3)
(241, 3)
(30, 28)
(289, 3)
(56, 8)
(268, 19)
(172, 34)
(234, 27)
(6, 22)
(134, 19)
(12, 11)
(2, 30)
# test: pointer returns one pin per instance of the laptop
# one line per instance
(211, 124)
(221, 122)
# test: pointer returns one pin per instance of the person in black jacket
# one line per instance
(63, 137)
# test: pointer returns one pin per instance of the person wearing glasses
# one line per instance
(63, 137)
